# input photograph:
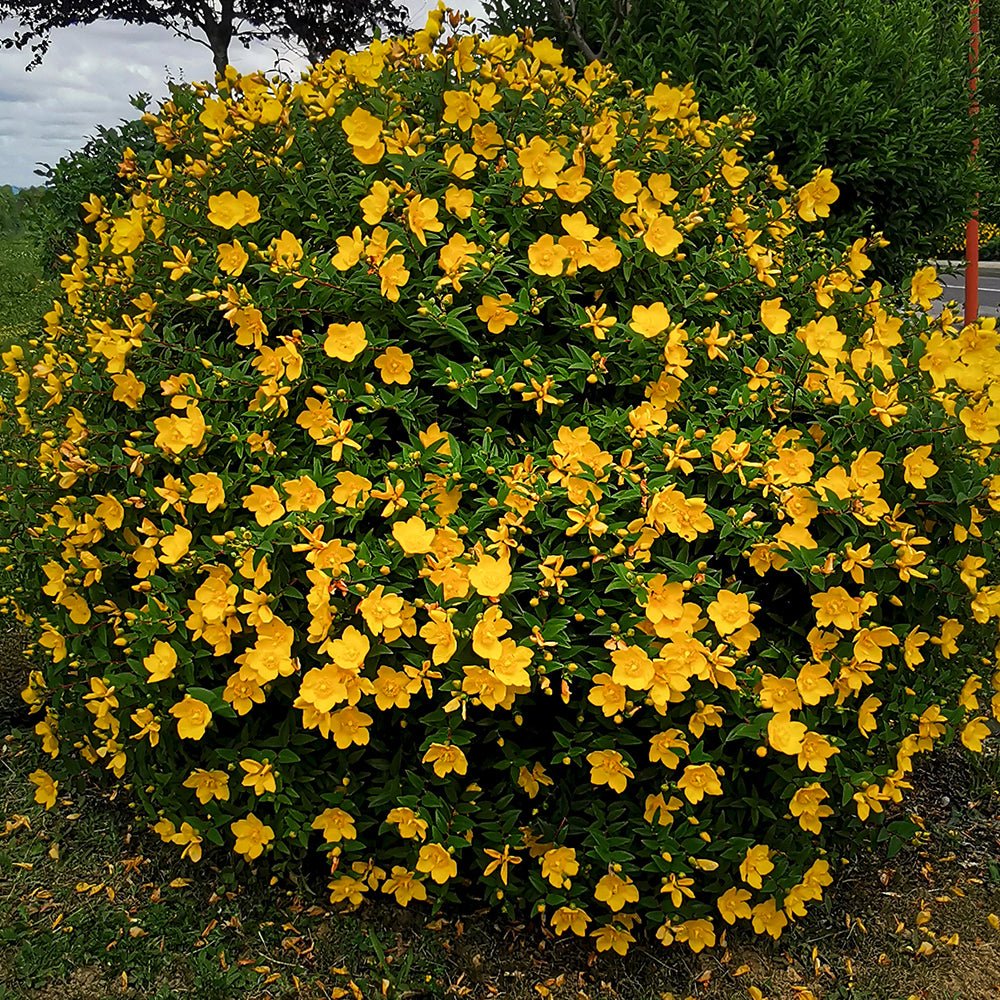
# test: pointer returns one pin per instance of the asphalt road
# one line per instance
(989, 290)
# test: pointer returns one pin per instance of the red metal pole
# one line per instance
(972, 227)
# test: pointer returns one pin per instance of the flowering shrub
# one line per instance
(477, 471)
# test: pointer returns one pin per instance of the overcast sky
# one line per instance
(86, 80)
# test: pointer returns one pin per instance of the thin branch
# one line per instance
(569, 25)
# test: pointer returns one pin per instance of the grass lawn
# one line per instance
(92, 907)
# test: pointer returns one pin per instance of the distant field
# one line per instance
(24, 292)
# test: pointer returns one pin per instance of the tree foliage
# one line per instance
(17, 207)
(317, 26)
(878, 92)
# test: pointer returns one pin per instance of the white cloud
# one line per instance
(88, 76)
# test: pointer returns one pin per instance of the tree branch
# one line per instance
(569, 24)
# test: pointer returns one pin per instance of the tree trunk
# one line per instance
(220, 36)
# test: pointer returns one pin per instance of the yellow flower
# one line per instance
(559, 864)
(303, 494)
(404, 885)
(815, 751)
(699, 780)
(109, 511)
(510, 666)
(460, 108)
(598, 321)
(547, 257)
(608, 767)
(807, 805)
(436, 861)
(446, 758)
(650, 321)
(161, 663)
(823, 337)
(494, 312)
(488, 632)
(349, 727)
(347, 889)
(687, 517)
(335, 825)
(364, 133)
(193, 717)
(540, 163)
(616, 891)
(393, 275)
(232, 258)
(252, 836)
(663, 745)
(409, 823)
(974, 732)
(46, 788)
(208, 785)
(265, 504)
(733, 905)
(768, 919)
(868, 801)
(697, 934)
(924, 287)
(188, 837)
(500, 860)
(856, 561)
(440, 633)
(259, 776)
(981, 422)
(286, 251)
(392, 689)
(394, 366)
(836, 607)
(491, 576)
(607, 695)
(414, 537)
(375, 204)
(773, 317)
(532, 781)
(455, 258)
(175, 545)
(659, 809)
(349, 250)
(730, 612)
(228, 210)
(816, 197)
(128, 389)
(785, 735)
(351, 489)
(176, 432)
(633, 668)
(662, 237)
(208, 489)
(570, 918)
(612, 938)
(345, 341)
(458, 201)
(755, 865)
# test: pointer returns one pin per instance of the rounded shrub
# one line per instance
(478, 471)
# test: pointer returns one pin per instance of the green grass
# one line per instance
(93, 907)
(25, 296)
(24, 293)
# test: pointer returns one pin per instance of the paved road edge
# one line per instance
(986, 267)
